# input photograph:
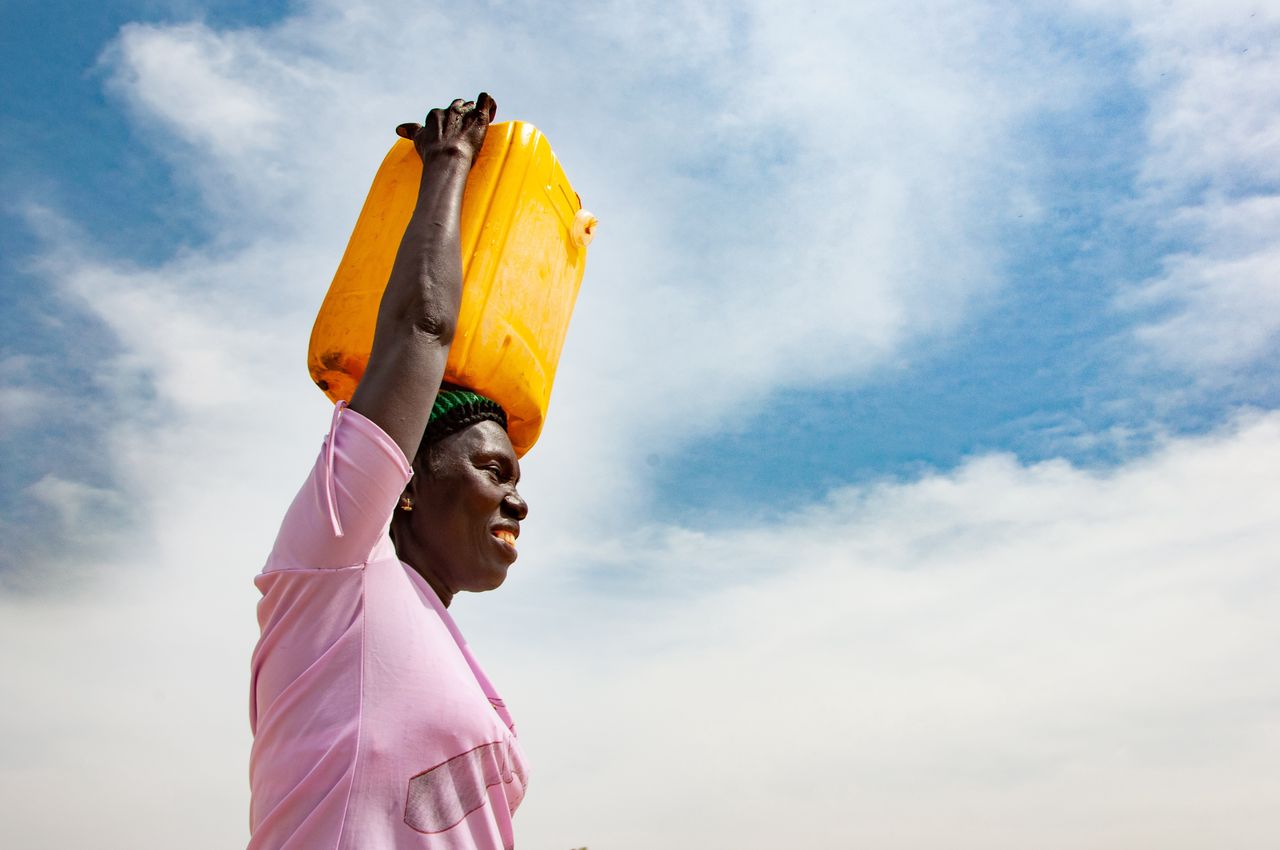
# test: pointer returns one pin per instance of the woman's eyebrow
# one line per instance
(501, 457)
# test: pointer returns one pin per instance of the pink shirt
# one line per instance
(374, 727)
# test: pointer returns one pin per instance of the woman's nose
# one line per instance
(514, 506)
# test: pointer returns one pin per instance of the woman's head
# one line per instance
(465, 514)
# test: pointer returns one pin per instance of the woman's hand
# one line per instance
(458, 129)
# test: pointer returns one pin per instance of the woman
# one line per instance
(373, 725)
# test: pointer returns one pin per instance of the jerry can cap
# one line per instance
(584, 228)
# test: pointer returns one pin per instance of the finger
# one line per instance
(457, 105)
(486, 106)
(409, 130)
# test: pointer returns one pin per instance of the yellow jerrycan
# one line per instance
(524, 249)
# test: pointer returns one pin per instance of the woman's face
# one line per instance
(466, 511)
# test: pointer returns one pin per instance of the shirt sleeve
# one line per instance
(344, 509)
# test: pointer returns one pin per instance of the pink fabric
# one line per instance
(374, 727)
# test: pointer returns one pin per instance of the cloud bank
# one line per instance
(983, 658)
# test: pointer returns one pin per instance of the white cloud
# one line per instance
(20, 405)
(1222, 302)
(997, 657)
(198, 84)
(72, 501)
(1210, 179)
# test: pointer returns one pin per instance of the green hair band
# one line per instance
(457, 408)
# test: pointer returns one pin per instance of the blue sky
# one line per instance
(67, 147)
(922, 376)
(1032, 367)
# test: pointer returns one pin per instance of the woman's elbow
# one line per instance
(435, 327)
(422, 319)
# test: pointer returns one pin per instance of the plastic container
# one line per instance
(524, 249)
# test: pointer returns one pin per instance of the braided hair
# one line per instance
(457, 408)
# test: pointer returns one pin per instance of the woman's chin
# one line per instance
(491, 578)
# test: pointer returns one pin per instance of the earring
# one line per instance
(406, 503)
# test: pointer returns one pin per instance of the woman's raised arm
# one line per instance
(419, 309)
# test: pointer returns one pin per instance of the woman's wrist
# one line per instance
(448, 155)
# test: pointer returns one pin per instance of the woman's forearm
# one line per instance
(425, 287)
(419, 309)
